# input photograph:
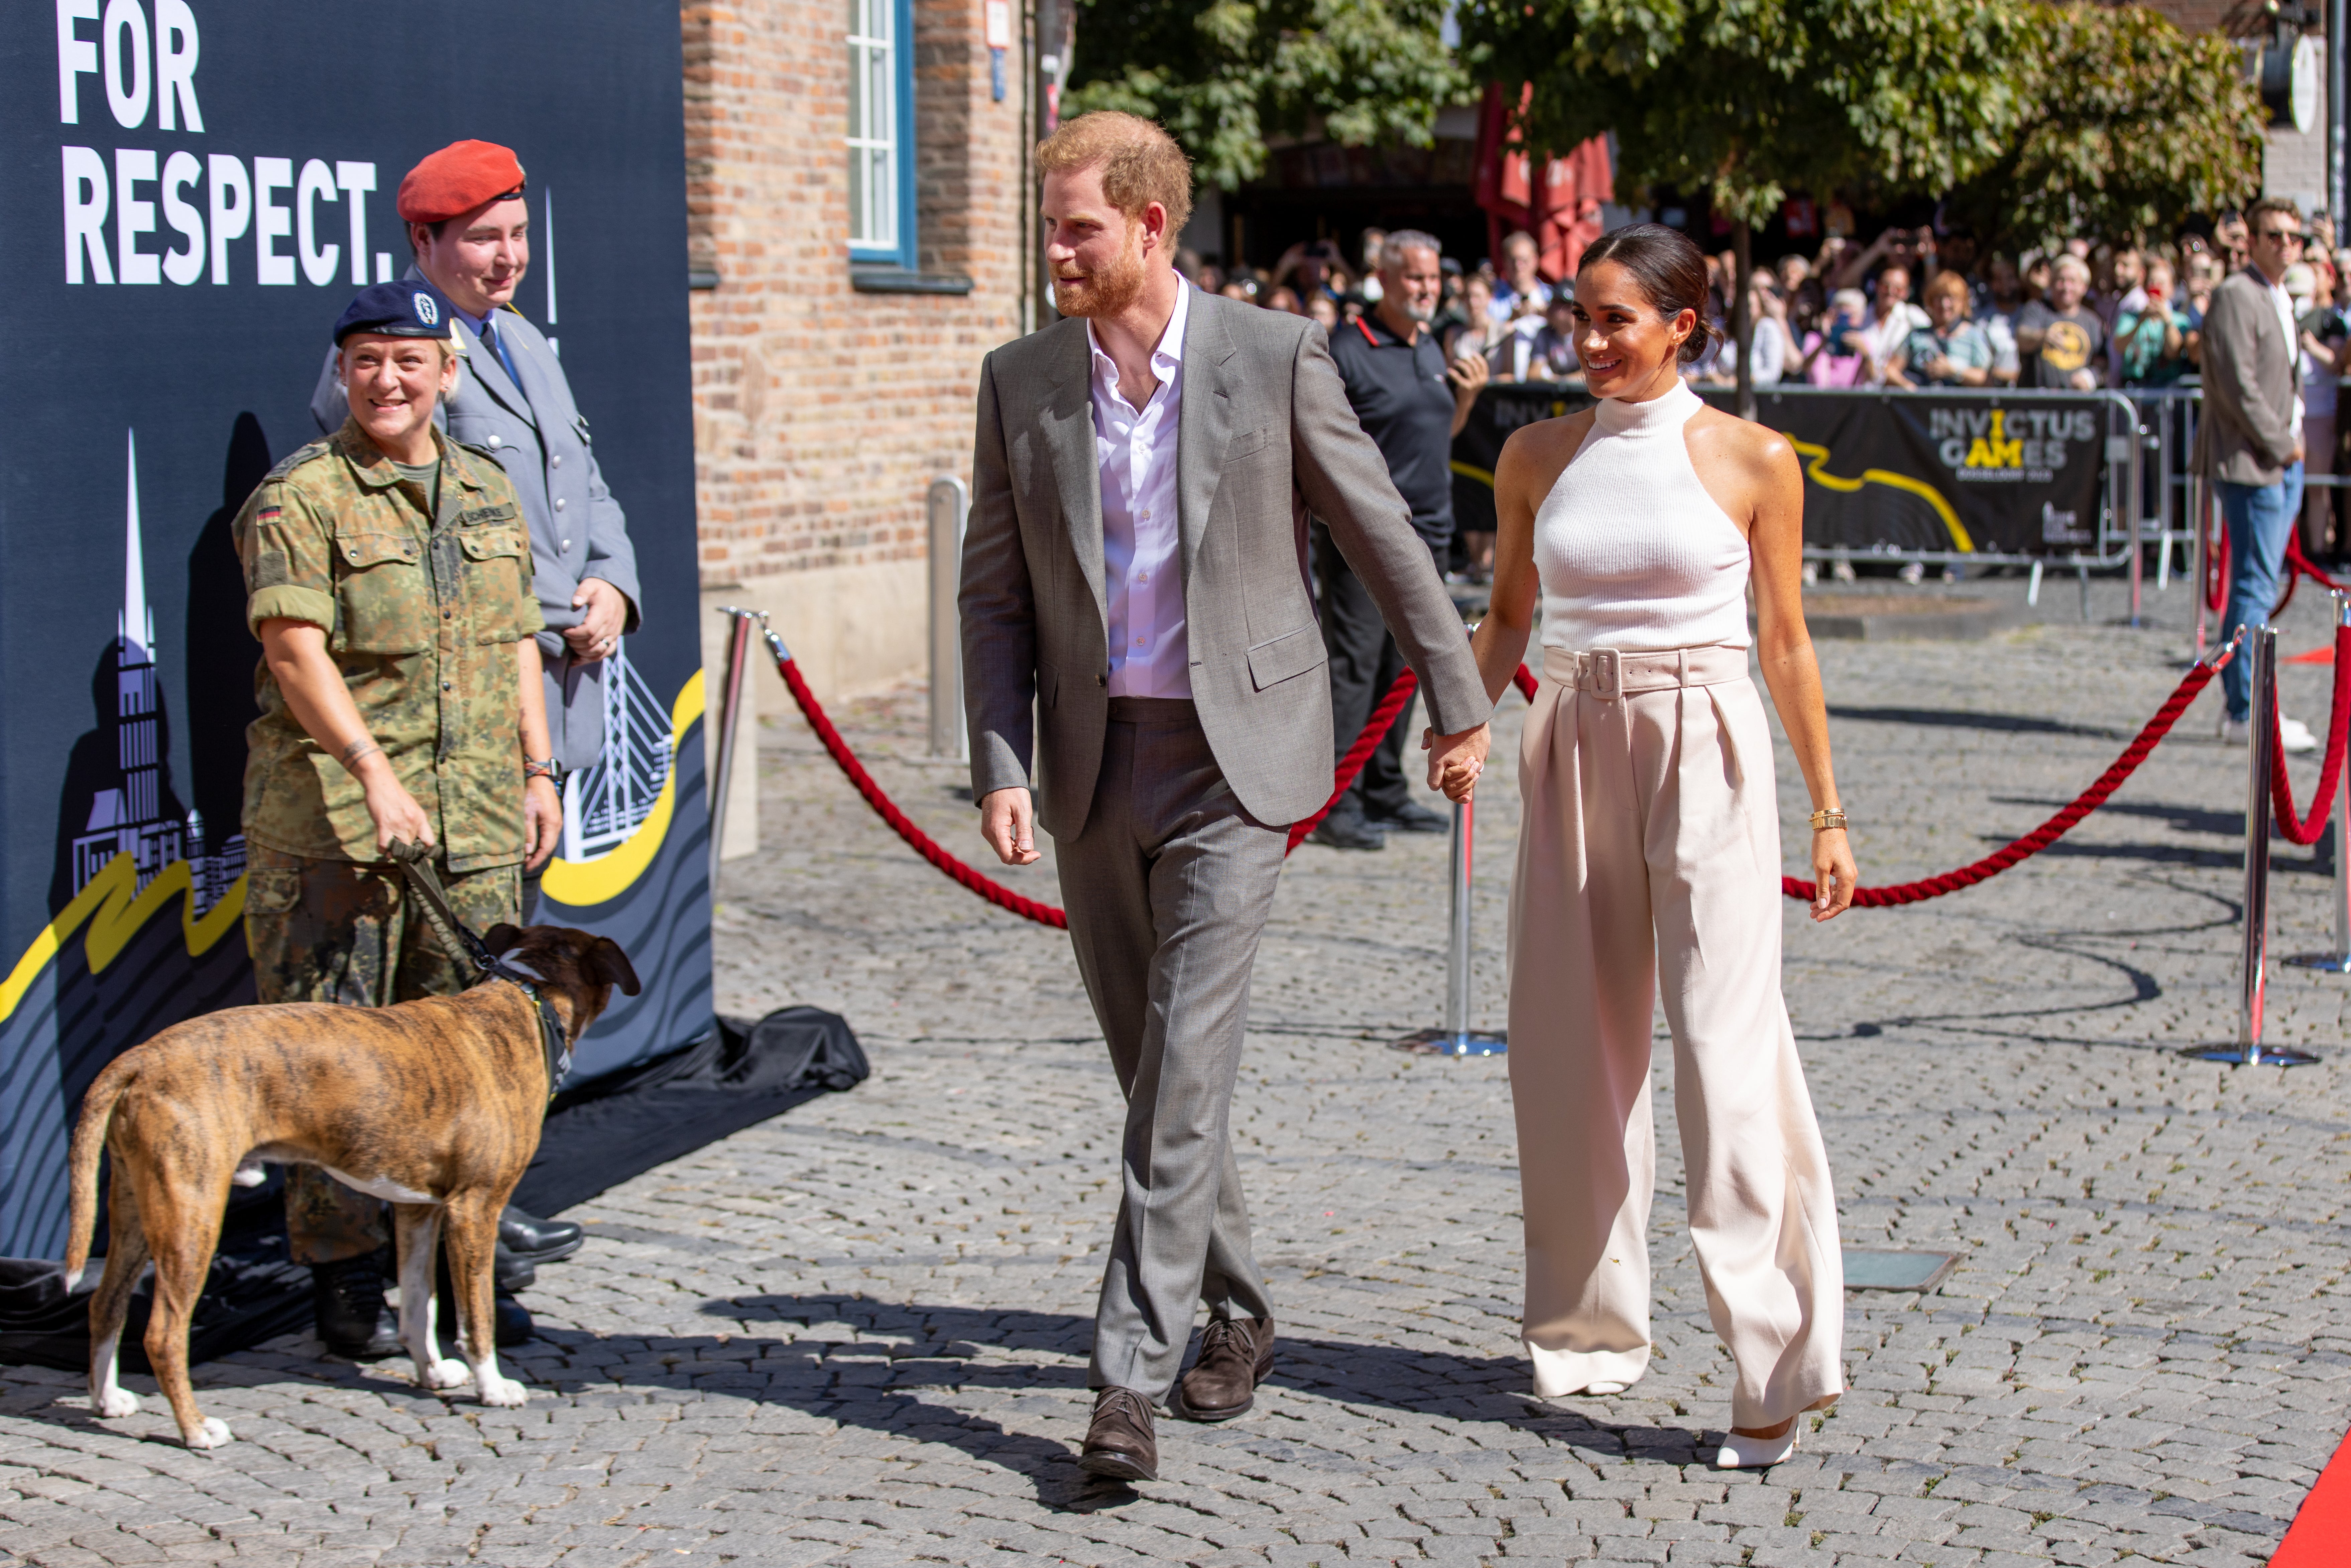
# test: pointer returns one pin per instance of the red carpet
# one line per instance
(2321, 1535)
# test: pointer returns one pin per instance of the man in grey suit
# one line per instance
(469, 226)
(1135, 584)
(2249, 444)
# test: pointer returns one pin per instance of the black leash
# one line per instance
(416, 860)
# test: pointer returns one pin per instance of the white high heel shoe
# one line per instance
(1740, 1452)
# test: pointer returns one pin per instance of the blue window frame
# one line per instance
(881, 133)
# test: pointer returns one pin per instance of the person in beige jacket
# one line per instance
(2249, 442)
(1134, 578)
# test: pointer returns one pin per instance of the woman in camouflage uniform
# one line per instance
(389, 579)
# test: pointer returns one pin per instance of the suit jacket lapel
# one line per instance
(1203, 426)
(1068, 417)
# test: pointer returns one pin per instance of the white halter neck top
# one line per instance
(1632, 551)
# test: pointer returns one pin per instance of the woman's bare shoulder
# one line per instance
(1740, 443)
(1539, 451)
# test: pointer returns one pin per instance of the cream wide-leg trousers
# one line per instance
(1650, 845)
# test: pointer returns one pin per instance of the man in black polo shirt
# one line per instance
(1411, 404)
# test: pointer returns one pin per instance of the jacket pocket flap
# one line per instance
(484, 543)
(371, 548)
(1246, 442)
(1286, 656)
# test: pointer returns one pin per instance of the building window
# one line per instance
(880, 132)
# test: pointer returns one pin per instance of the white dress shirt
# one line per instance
(1142, 564)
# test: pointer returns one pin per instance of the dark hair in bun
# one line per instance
(1670, 269)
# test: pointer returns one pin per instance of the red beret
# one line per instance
(457, 179)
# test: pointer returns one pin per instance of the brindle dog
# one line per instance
(434, 1105)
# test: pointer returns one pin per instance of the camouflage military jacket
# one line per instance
(420, 614)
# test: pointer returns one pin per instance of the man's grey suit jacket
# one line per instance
(577, 529)
(2247, 434)
(1264, 437)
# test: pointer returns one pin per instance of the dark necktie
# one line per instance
(497, 343)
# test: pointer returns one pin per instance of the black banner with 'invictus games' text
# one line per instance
(1910, 473)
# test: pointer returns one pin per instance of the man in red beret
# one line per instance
(468, 219)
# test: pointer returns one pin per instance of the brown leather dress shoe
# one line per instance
(1236, 1355)
(1119, 1443)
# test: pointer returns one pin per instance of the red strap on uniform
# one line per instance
(1366, 331)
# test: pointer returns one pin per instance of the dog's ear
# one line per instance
(502, 938)
(609, 965)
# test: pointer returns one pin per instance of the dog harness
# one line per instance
(415, 859)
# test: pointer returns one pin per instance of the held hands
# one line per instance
(1007, 820)
(1456, 760)
(599, 631)
(1834, 876)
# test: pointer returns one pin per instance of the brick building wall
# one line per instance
(822, 412)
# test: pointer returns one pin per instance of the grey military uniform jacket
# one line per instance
(577, 529)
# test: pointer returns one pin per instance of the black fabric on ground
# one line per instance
(626, 1123)
(596, 1137)
(255, 1292)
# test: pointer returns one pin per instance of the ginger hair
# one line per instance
(1140, 162)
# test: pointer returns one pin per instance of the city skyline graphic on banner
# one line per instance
(128, 815)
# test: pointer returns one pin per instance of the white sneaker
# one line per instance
(1912, 572)
(2291, 732)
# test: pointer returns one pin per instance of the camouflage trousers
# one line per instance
(352, 933)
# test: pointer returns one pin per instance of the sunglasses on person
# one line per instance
(2285, 237)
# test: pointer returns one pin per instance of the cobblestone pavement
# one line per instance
(856, 1334)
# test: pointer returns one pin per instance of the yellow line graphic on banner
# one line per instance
(584, 883)
(1483, 475)
(116, 911)
(1815, 456)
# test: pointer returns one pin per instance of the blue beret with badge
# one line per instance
(408, 309)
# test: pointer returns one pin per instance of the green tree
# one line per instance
(2131, 126)
(1224, 75)
(1748, 99)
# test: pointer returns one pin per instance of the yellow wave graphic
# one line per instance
(116, 909)
(1816, 456)
(582, 883)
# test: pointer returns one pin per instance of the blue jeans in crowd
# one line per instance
(2260, 517)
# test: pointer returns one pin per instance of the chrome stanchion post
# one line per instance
(1457, 1038)
(730, 712)
(2252, 995)
(2337, 961)
(949, 504)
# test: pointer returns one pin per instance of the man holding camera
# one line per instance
(1411, 404)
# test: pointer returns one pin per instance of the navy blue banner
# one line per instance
(195, 188)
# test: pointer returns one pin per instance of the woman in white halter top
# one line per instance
(1650, 846)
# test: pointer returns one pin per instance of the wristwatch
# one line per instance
(551, 771)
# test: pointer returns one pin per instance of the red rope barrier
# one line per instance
(921, 842)
(2048, 832)
(2289, 822)
(1384, 716)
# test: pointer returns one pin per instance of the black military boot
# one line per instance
(347, 1300)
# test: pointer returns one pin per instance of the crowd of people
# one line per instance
(1911, 309)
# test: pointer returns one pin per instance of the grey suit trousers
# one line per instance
(1167, 887)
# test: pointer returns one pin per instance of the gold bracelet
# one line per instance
(1832, 817)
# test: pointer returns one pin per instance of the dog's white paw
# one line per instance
(215, 1432)
(505, 1391)
(446, 1375)
(114, 1404)
(250, 1173)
